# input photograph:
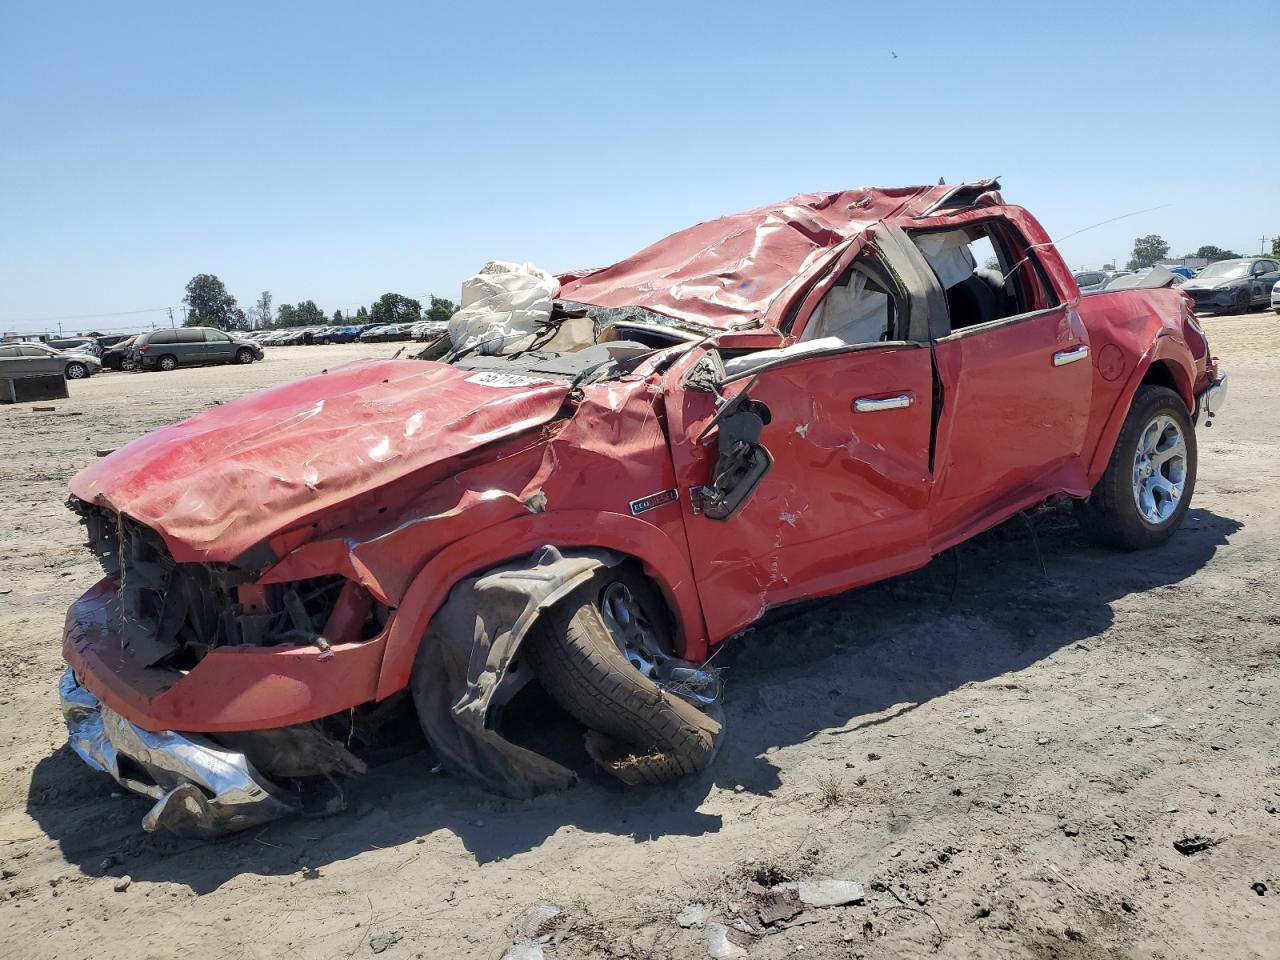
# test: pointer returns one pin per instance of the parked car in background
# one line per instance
(1091, 280)
(112, 339)
(392, 331)
(1275, 297)
(120, 356)
(32, 359)
(1238, 285)
(192, 346)
(79, 344)
(342, 334)
(1149, 278)
(428, 329)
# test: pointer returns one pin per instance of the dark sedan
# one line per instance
(1234, 285)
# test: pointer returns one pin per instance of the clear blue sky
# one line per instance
(338, 151)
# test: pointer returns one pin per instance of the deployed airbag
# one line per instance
(503, 306)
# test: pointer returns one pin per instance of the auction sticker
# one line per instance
(490, 378)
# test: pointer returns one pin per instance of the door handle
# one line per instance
(1063, 357)
(872, 404)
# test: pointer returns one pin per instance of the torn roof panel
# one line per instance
(724, 272)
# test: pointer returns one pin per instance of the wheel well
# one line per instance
(1162, 373)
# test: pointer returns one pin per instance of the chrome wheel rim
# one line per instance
(75, 372)
(631, 629)
(1159, 469)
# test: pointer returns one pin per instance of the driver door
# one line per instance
(845, 501)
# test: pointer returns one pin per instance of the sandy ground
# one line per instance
(1009, 753)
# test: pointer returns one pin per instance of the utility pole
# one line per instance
(1262, 250)
(171, 318)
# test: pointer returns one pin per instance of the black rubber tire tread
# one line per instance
(641, 734)
(242, 354)
(1110, 517)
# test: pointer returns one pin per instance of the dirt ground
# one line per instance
(1004, 757)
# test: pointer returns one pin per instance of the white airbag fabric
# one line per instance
(948, 254)
(850, 313)
(503, 307)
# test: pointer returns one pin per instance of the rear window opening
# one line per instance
(987, 272)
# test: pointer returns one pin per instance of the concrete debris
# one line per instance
(719, 946)
(123, 884)
(827, 893)
(379, 943)
(528, 950)
(543, 924)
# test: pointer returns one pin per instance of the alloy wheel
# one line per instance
(1159, 469)
(631, 629)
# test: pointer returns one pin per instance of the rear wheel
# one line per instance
(167, 362)
(1146, 490)
(77, 371)
(244, 355)
(595, 653)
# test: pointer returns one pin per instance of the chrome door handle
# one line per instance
(1063, 357)
(872, 404)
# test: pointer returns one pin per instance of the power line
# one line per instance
(85, 316)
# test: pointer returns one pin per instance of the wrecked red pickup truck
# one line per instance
(626, 467)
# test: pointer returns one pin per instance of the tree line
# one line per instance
(1152, 248)
(210, 305)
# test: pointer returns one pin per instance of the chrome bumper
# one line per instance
(1212, 399)
(200, 788)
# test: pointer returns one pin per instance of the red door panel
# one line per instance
(846, 500)
(1013, 421)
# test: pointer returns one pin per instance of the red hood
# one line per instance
(219, 483)
(724, 272)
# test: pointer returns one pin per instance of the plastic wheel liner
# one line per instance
(463, 668)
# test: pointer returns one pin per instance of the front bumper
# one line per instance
(230, 689)
(1211, 400)
(1214, 299)
(200, 789)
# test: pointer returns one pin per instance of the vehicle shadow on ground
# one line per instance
(987, 609)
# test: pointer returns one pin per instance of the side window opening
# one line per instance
(858, 308)
(865, 305)
(986, 273)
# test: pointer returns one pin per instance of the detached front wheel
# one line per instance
(596, 654)
(1146, 490)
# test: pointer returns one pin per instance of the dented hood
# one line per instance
(218, 484)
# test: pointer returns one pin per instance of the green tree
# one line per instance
(262, 310)
(303, 314)
(362, 315)
(440, 309)
(395, 308)
(209, 305)
(1147, 250)
(1214, 254)
(1275, 247)
(337, 318)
